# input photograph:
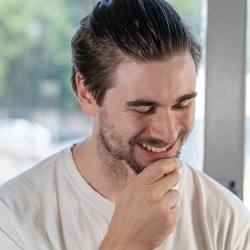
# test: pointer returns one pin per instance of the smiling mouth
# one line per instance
(155, 149)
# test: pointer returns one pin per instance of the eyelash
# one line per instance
(182, 107)
(149, 111)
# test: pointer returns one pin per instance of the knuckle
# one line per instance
(166, 163)
(172, 216)
(176, 175)
(162, 166)
(176, 195)
(162, 209)
(170, 219)
(153, 196)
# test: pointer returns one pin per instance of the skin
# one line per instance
(152, 104)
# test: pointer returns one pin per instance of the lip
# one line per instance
(168, 153)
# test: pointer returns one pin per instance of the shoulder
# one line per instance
(211, 191)
(41, 172)
(22, 197)
(23, 192)
(225, 216)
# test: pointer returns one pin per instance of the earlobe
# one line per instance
(85, 98)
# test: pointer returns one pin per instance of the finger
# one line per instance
(177, 211)
(172, 217)
(166, 183)
(158, 169)
(172, 198)
(176, 214)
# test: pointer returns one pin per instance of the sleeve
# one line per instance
(8, 243)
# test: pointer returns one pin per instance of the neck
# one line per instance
(94, 171)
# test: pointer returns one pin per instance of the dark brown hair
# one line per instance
(143, 30)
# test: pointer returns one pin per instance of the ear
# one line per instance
(85, 98)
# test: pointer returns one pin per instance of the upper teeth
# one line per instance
(154, 149)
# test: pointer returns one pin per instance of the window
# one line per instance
(39, 114)
(194, 12)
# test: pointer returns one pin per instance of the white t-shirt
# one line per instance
(52, 207)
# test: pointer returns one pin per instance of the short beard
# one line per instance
(138, 168)
(109, 143)
(112, 152)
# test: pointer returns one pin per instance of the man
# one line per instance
(134, 67)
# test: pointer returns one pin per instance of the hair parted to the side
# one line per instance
(143, 30)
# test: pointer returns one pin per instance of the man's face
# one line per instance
(147, 115)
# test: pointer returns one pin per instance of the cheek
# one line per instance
(188, 118)
(124, 123)
(129, 125)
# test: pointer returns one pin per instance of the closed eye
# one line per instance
(145, 110)
(182, 105)
(143, 107)
(185, 101)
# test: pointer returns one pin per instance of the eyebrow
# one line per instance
(142, 102)
(187, 97)
(149, 103)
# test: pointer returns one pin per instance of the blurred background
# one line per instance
(39, 114)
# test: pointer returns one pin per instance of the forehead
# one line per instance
(160, 79)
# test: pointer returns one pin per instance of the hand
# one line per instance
(146, 210)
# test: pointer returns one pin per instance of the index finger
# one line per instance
(158, 169)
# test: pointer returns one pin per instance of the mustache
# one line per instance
(157, 142)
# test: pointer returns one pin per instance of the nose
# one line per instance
(163, 126)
